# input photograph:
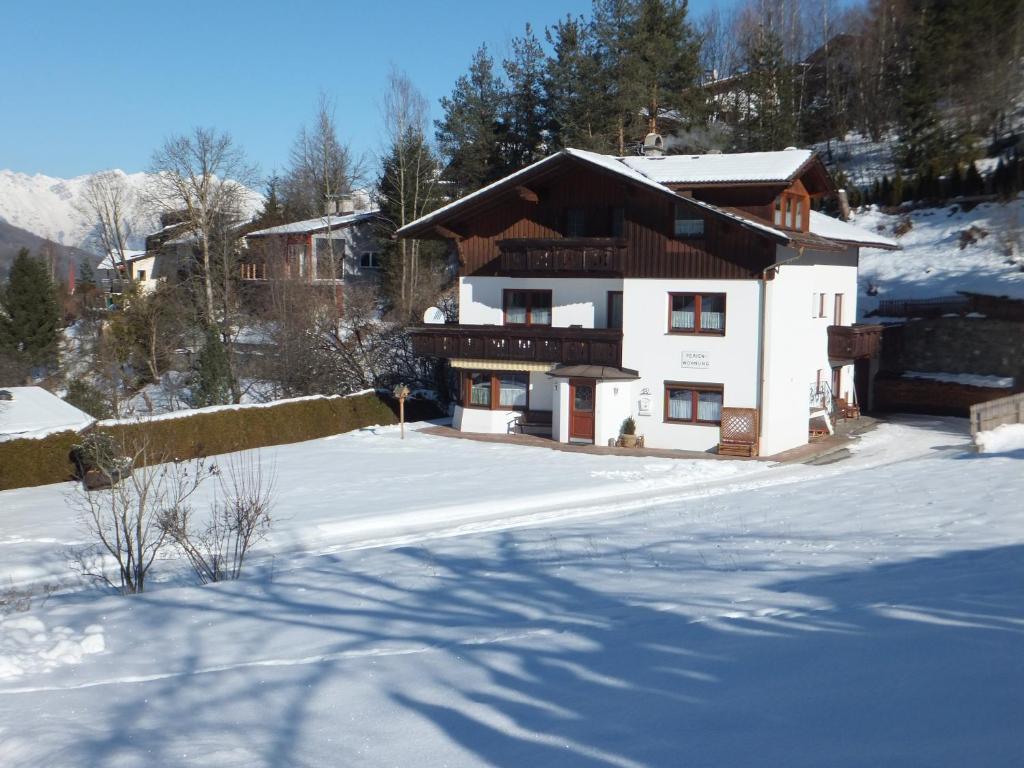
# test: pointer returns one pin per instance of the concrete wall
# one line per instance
(956, 345)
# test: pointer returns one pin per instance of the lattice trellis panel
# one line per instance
(739, 425)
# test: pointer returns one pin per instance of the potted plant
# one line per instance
(627, 433)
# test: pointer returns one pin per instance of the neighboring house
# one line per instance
(34, 412)
(593, 288)
(171, 252)
(114, 273)
(328, 249)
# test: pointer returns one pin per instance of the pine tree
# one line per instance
(770, 122)
(661, 59)
(468, 134)
(973, 183)
(211, 380)
(525, 119)
(577, 111)
(897, 191)
(29, 313)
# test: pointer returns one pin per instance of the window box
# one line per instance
(687, 403)
(696, 313)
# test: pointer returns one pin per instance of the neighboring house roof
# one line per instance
(760, 167)
(110, 262)
(841, 231)
(34, 412)
(319, 224)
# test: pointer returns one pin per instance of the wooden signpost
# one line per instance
(401, 392)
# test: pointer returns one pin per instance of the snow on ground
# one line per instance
(868, 612)
(1003, 439)
(861, 159)
(932, 263)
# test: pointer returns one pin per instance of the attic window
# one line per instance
(686, 224)
(791, 211)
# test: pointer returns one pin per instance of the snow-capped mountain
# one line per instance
(52, 208)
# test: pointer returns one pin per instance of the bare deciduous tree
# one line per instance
(203, 176)
(240, 517)
(108, 201)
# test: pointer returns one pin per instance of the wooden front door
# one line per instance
(582, 394)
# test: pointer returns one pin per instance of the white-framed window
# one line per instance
(369, 260)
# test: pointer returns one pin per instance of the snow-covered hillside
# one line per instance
(854, 614)
(945, 250)
(52, 208)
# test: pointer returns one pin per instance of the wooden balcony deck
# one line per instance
(850, 342)
(562, 257)
(572, 346)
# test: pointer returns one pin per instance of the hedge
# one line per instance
(37, 461)
(221, 430)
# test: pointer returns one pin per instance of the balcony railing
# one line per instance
(572, 346)
(562, 256)
(849, 342)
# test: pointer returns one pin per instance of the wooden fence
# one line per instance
(1005, 410)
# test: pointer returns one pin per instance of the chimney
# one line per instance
(347, 205)
(653, 145)
(844, 205)
(330, 206)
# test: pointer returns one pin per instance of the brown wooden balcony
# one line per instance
(542, 344)
(849, 342)
(562, 256)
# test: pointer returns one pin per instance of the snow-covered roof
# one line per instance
(313, 225)
(111, 262)
(834, 229)
(760, 167)
(763, 167)
(34, 412)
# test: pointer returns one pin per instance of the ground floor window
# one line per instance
(497, 390)
(693, 403)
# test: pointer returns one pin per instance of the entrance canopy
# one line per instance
(599, 372)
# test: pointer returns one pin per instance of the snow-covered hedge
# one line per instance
(198, 433)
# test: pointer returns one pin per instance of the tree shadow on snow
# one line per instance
(517, 657)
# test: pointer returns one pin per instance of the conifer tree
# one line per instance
(577, 111)
(468, 134)
(973, 183)
(211, 381)
(661, 61)
(29, 313)
(525, 120)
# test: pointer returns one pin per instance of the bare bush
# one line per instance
(123, 519)
(239, 518)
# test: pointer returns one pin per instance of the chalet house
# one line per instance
(683, 291)
(328, 249)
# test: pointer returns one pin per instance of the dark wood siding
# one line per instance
(726, 251)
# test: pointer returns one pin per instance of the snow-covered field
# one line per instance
(447, 602)
(932, 263)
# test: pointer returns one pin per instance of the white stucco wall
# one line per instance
(582, 301)
(482, 420)
(560, 411)
(613, 404)
(797, 344)
(648, 347)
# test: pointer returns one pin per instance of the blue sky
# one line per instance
(92, 85)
